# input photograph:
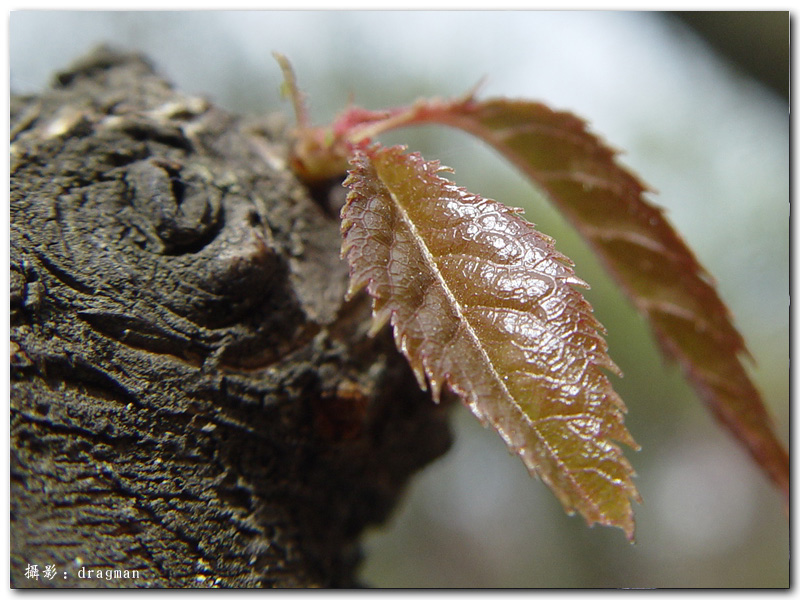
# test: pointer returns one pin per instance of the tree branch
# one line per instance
(191, 398)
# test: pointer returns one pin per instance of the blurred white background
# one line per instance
(715, 145)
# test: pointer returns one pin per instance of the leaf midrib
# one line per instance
(430, 260)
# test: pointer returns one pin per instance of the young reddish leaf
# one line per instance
(481, 301)
(633, 240)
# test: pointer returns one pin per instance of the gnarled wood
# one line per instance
(190, 396)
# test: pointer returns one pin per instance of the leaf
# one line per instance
(641, 251)
(633, 240)
(481, 301)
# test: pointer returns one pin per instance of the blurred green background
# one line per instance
(710, 133)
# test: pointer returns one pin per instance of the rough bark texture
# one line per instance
(190, 396)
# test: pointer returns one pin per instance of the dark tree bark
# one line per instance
(191, 397)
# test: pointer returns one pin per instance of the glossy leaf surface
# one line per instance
(631, 237)
(481, 301)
